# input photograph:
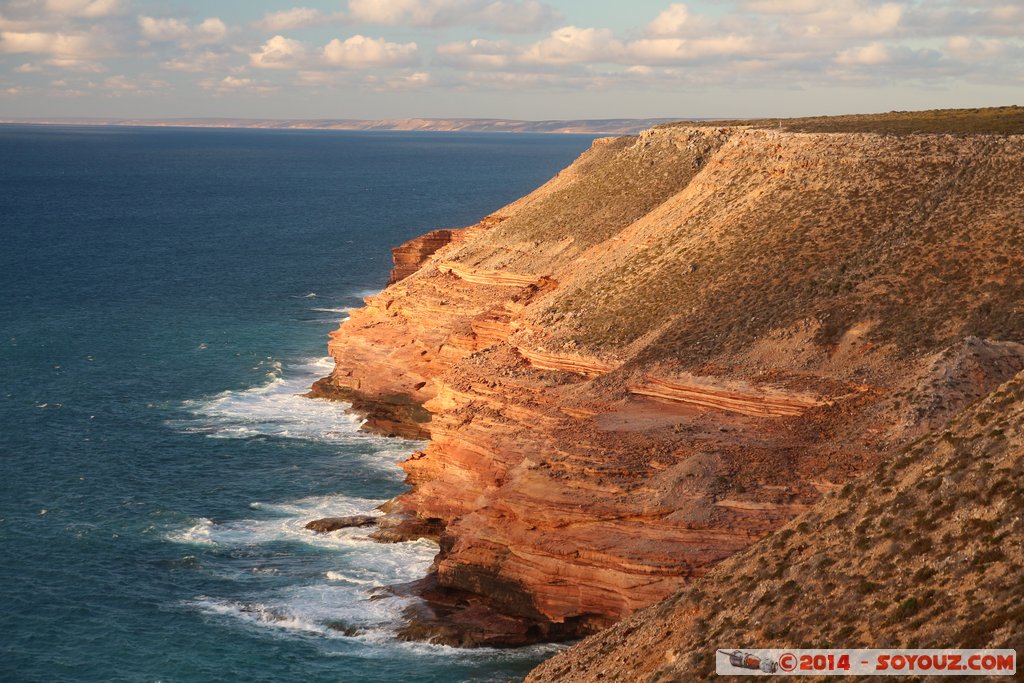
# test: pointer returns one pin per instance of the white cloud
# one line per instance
(877, 21)
(279, 53)
(670, 22)
(195, 63)
(314, 78)
(514, 17)
(209, 31)
(73, 51)
(803, 42)
(868, 55)
(844, 19)
(55, 15)
(38, 42)
(83, 8)
(236, 84)
(478, 54)
(354, 53)
(412, 81)
(678, 50)
(736, 43)
(389, 11)
(785, 6)
(507, 16)
(575, 45)
(360, 52)
(79, 65)
(977, 49)
(124, 85)
(296, 17)
(510, 80)
(160, 30)
(980, 18)
(879, 62)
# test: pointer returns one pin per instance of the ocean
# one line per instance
(166, 299)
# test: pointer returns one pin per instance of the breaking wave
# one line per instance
(335, 590)
(280, 408)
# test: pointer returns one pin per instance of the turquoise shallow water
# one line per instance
(166, 297)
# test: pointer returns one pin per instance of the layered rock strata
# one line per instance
(671, 349)
(410, 256)
(918, 553)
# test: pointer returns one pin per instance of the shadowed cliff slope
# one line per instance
(674, 347)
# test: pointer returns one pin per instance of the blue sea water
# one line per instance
(165, 296)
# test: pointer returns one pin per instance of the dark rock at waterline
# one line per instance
(343, 628)
(445, 616)
(387, 415)
(328, 524)
(401, 527)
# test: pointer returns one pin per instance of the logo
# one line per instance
(744, 660)
(764, 662)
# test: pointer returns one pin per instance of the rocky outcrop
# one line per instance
(562, 362)
(745, 402)
(329, 524)
(670, 350)
(409, 257)
(484, 276)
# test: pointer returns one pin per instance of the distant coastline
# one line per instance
(592, 126)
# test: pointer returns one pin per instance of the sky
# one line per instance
(521, 59)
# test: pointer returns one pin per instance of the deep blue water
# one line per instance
(166, 296)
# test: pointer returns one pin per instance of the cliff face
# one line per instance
(409, 257)
(921, 552)
(673, 348)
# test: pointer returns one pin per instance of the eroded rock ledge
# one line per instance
(672, 348)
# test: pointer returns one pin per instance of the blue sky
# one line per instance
(532, 59)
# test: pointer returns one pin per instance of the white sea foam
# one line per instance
(337, 609)
(366, 293)
(279, 408)
(369, 618)
(337, 588)
(362, 561)
(348, 578)
(257, 613)
(345, 597)
(197, 534)
(345, 602)
(330, 611)
(344, 310)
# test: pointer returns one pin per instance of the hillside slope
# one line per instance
(924, 551)
(673, 348)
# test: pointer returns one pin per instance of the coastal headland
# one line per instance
(679, 345)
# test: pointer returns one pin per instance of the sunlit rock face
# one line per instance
(671, 349)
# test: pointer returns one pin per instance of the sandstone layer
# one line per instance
(674, 347)
(921, 552)
(409, 257)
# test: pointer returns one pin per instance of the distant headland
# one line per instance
(597, 126)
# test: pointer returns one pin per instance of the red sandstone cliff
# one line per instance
(920, 552)
(672, 348)
(409, 257)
